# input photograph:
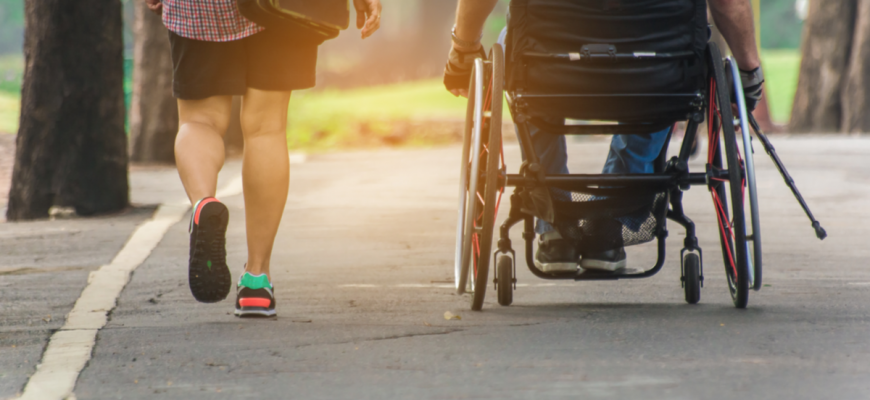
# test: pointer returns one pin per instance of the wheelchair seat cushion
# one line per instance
(631, 27)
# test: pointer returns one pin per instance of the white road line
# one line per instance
(440, 285)
(70, 348)
(423, 285)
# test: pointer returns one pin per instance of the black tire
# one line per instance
(728, 192)
(505, 283)
(489, 164)
(750, 199)
(692, 278)
(463, 242)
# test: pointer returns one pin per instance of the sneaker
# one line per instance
(210, 279)
(255, 296)
(610, 260)
(555, 254)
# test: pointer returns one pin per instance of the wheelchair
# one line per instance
(578, 67)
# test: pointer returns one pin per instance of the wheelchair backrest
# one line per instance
(626, 60)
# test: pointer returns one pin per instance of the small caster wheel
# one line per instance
(505, 284)
(692, 278)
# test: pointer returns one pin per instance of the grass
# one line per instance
(413, 113)
(9, 109)
(377, 115)
(406, 113)
(781, 68)
(11, 72)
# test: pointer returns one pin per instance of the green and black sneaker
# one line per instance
(208, 274)
(255, 297)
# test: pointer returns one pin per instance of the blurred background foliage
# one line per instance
(374, 91)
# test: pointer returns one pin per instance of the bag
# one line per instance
(309, 20)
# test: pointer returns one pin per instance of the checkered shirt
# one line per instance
(208, 20)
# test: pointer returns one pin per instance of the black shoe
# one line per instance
(555, 254)
(255, 297)
(610, 260)
(209, 277)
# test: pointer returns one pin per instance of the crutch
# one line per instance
(768, 147)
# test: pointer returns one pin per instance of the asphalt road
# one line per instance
(363, 266)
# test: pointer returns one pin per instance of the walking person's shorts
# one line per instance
(266, 61)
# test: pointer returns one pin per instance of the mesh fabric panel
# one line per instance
(618, 223)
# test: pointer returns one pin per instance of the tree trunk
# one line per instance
(856, 90)
(71, 145)
(153, 112)
(827, 40)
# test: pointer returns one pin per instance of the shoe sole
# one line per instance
(210, 284)
(557, 266)
(255, 312)
(601, 265)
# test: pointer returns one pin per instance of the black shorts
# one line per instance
(266, 61)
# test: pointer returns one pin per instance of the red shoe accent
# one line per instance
(202, 204)
(255, 302)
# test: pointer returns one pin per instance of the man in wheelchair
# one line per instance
(629, 153)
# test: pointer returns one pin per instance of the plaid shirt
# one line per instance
(208, 20)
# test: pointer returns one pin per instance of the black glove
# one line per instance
(753, 82)
(457, 72)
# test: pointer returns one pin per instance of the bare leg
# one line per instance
(199, 146)
(265, 172)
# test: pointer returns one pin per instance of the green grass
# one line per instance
(781, 68)
(414, 113)
(9, 108)
(11, 72)
(406, 113)
(371, 116)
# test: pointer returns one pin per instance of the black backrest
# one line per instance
(633, 27)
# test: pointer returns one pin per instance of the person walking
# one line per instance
(216, 54)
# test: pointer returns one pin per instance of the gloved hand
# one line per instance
(457, 72)
(753, 82)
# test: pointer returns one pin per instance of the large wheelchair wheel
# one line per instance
(750, 197)
(728, 183)
(480, 191)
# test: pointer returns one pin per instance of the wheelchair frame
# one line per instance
(725, 177)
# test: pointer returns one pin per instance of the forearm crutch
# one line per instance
(768, 147)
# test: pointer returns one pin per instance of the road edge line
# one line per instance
(70, 348)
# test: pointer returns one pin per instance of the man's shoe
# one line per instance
(210, 279)
(610, 260)
(255, 297)
(555, 254)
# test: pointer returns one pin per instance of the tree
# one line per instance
(71, 145)
(153, 112)
(825, 49)
(856, 88)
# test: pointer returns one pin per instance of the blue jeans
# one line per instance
(629, 154)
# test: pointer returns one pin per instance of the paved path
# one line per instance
(362, 270)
